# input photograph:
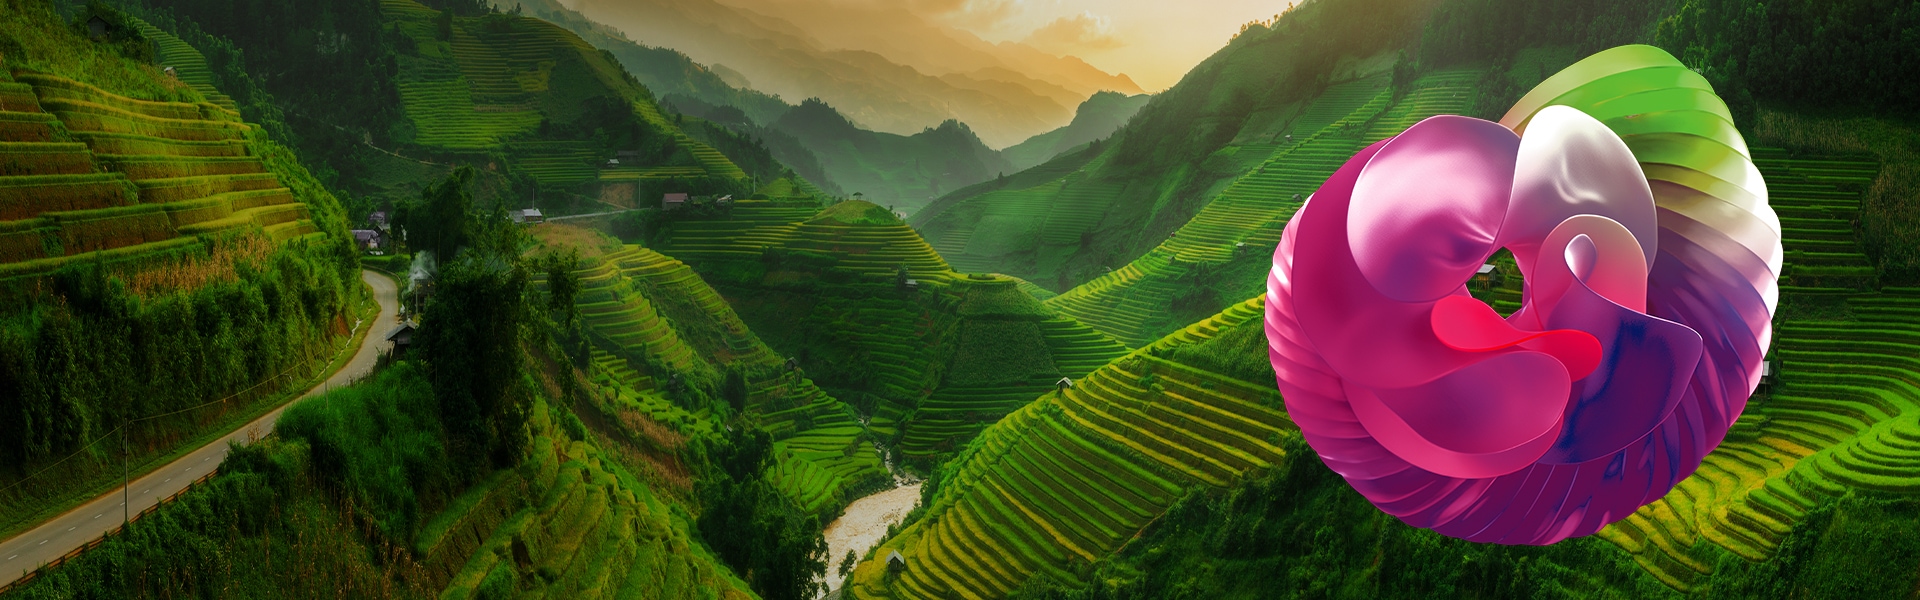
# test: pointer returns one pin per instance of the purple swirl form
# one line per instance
(1641, 336)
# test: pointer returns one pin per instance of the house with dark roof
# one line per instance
(402, 338)
(369, 240)
(673, 201)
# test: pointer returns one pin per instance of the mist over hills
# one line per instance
(1098, 117)
(824, 145)
(898, 78)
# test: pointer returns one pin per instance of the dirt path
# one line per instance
(864, 524)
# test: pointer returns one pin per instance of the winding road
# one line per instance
(78, 527)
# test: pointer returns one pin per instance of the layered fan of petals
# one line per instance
(1628, 200)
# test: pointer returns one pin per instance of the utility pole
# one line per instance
(126, 507)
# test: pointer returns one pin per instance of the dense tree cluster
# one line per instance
(86, 354)
(1804, 52)
(471, 328)
(767, 540)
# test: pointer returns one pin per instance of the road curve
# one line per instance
(70, 531)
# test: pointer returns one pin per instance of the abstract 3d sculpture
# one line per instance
(1633, 209)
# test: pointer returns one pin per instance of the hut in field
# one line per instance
(672, 201)
(895, 562)
(402, 338)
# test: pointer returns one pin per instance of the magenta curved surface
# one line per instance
(1635, 349)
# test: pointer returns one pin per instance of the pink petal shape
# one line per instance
(1469, 325)
(1491, 418)
(1426, 211)
(1571, 164)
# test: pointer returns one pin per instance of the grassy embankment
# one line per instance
(127, 202)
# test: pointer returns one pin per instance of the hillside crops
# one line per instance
(491, 84)
(1004, 357)
(654, 315)
(1254, 208)
(137, 180)
(594, 530)
(1066, 480)
(188, 64)
(1842, 415)
(943, 360)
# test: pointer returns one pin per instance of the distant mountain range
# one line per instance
(1098, 117)
(823, 143)
(886, 69)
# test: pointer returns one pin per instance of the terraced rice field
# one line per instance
(557, 163)
(755, 225)
(1069, 478)
(751, 226)
(1053, 213)
(1843, 413)
(957, 411)
(188, 64)
(85, 173)
(1248, 216)
(587, 526)
(489, 86)
(821, 460)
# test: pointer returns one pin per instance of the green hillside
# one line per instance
(1225, 119)
(1067, 479)
(903, 171)
(1097, 118)
(1243, 221)
(568, 520)
(124, 180)
(130, 209)
(658, 329)
(472, 84)
(930, 365)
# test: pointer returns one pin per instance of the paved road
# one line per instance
(63, 534)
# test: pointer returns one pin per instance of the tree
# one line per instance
(470, 337)
(563, 285)
(442, 220)
(767, 540)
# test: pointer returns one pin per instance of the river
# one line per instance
(863, 525)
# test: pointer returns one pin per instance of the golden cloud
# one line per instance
(1083, 31)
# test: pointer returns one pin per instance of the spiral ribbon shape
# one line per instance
(1632, 207)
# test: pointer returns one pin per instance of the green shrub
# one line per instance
(381, 442)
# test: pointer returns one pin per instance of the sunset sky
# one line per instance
(1153, 41)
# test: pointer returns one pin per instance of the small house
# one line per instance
(98, 28)
(528, 216)
(612, 163)
(673, 201)
(402, 338)
(910, 285)
(379, 220)
(1064, 384)
(895, 562)
(171, 74)
(368, 240)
